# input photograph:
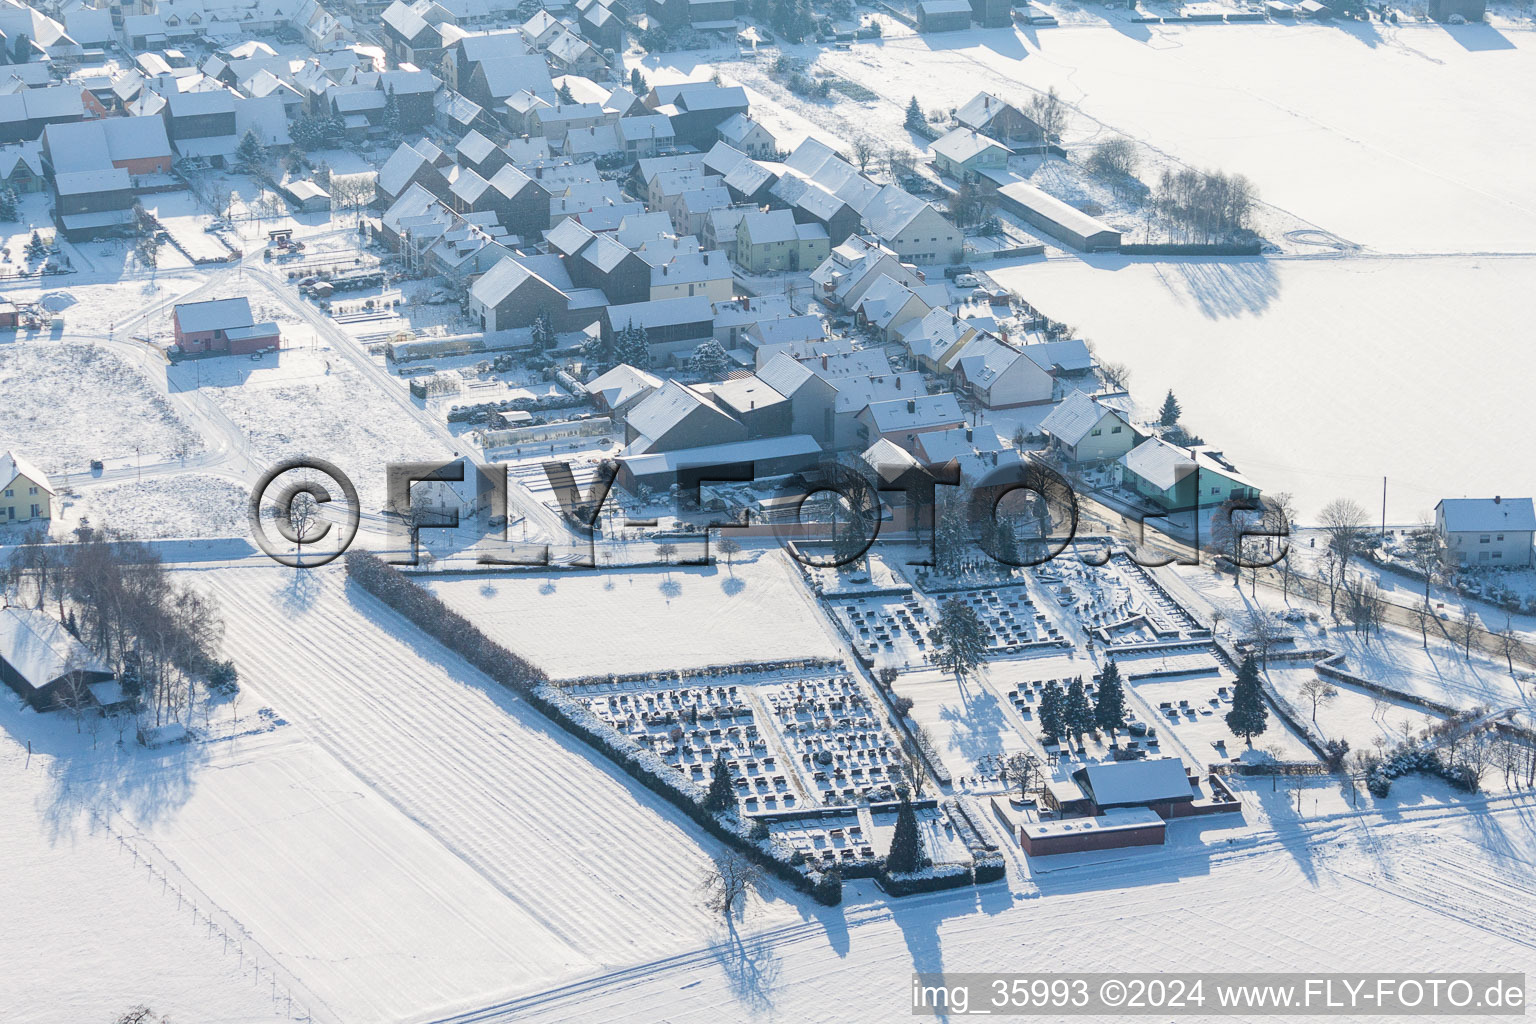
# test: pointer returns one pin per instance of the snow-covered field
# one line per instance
(1319, 377)
(43, 417)
(184, 505)
(584, 869)
(319, 405)
(638, 620)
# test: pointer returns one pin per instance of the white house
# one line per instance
(1085, 429)
(1487, 531)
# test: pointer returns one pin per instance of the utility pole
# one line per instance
(138, 458)
(1383, 536)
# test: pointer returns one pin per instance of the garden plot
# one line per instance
(839, 742)
(184, 218)
(591, 623)
(68, 403)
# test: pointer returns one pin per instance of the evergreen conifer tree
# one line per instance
(722, 791)
(907, 844)
(1052, 723)
(1249, 716)
(1109, 711)
(1076, 712)
(1171, 412)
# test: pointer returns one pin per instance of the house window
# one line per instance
(1216, 489)
(10, 493)
(1096, 432)
(1483, 539)
(1500, 538)
(1496, 554)
(1482, 556)
(1114, 430)
(36, 511)
(33, 490)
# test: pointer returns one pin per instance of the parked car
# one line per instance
(967, 281)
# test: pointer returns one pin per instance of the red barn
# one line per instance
(222, 327)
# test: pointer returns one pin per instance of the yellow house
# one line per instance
(26, 494)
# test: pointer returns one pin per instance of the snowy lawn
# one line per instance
(608, 620)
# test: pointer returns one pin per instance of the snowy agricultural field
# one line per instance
(594, 622)
(1319, 377)
(181, 505)
(560, 864)
(128, 416)
(1347, 893)
(76, 898)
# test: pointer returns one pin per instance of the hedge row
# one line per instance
(462, 637)
(932, 880)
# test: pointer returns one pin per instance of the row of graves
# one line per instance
(1119, 604)
(1139, 739)
(893, 629)
(808, 749)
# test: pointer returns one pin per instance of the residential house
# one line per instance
(1086, 429)
(854, 267)
(405, 167)
(697, 109)
(26, 494)
(222, 327)
(136, 144)
(678, 275)
(21, 167)
(1058, 219)
(996, 119)
(621, 388)
(753, 404)
(999, 376)
(772, 241)
(697, 14)
(963, 153)
(901, 420)
(742, 133)
(515, 291)
(1181, 479)
(1483, 532)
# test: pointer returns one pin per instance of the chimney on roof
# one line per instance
(1497, 500)
(986, 103)
(823, 360)
(912, 405)
(968, 436)
(898, 382)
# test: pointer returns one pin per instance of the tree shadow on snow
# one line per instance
(1223, 289)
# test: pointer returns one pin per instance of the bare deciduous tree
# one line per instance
(1319, 692)
(727, 883)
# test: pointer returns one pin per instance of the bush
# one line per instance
(1333, 755)
(828, 889)
(903, 705)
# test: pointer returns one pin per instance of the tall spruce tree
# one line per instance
(1171, 411)
(1052, 721)
(1249, 716)
(722, 791)
(1109, 710)
(915, 121)
(907, 843)
(1076, 712)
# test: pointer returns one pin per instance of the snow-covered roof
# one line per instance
(79, 183)
(13, 465)
(1077, 414)
(732, 452)
(1069, 355)
(980, 110)
(917, 412)
(1163, 465)
(784, 374)
(40, 649)
(685, 309)
(1482, 515)
(622, 384)
(1122, 783)
(959, 442)
(665, 408)
(961, 144)
(214, 314)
